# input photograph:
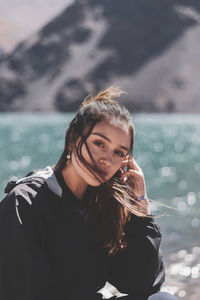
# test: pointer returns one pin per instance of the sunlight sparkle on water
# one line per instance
(158, 147)
(195, 222)
(191, 198)
(15, 136)
(168, 171)
(182, 293)
(188, 258)
(185, 264)
(178, 147)
(14, 165)
(195, 272)
(23, 163)
(170, 289)
(182, 253)
(197, 167)
(181, 206)
(183, 185)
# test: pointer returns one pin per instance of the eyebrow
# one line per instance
(106, 138)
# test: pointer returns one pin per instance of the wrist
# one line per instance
(143, 197)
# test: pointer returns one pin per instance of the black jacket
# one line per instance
(45, 252)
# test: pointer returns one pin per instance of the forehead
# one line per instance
(117, 131)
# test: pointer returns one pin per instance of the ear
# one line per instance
(69, 139)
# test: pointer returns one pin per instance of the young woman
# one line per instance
(67, 230)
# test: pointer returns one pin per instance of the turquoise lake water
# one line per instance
(167, 147)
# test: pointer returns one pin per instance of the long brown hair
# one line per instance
(112, 202)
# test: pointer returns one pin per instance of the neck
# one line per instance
(76, 184)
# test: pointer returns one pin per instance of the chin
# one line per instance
(92, 181)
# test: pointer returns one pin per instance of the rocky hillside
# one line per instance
(1, 52)
(150, 48)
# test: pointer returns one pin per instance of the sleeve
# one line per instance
(138, 271)
(24, 269)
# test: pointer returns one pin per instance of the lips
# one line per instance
(102, 172)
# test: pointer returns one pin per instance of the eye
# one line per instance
(120, 154)
(100, 144)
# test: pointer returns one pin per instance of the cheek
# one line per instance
(75, 161)
(116, 165)
(94, 152)
(83, 172)
(85, 153)
(78, 164)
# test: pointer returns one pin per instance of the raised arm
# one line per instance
(138, 270)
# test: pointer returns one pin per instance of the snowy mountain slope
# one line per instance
(151, 49)
(20, 19)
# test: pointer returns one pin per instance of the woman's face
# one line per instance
(109, 144)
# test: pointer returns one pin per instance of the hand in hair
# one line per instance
(132, 173)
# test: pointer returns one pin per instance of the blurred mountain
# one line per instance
(1, 52)
(149, 48)
(19, 19)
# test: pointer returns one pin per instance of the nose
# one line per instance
(105, 161)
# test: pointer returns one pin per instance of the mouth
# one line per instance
(102, 174)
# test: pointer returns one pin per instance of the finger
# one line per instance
(121, 172)
(130, 172)
(131, 163)
(133, 172)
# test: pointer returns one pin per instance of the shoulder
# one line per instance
(23, 198)
(34, 184)
(27, 191)
(30, 195)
